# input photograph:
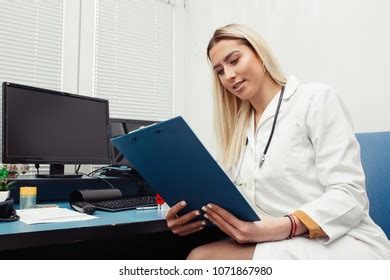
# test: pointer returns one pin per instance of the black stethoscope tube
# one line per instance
(262, 158)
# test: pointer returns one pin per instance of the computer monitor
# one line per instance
(56, 128)
(120, 127)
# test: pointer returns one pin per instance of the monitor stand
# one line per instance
(57, 171)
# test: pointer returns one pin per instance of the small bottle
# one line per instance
(28, 197)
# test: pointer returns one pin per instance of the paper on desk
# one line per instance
(51, 215)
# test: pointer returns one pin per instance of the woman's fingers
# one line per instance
(227, 216)
(172, 213)
(180, 225)
(220, 223)
(194, 230)
(189, 228)
(226, 222)
(182, 220)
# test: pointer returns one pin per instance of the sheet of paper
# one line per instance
(51, 215)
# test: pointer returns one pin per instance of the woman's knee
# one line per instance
(199, 253)
(226, 249)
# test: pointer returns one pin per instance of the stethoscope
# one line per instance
(262, 157)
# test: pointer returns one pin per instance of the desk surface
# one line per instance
(16, 235)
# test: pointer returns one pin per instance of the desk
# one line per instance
(17, 235)
(132, 234)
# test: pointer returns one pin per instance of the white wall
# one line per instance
(342, 43)
(70, 47)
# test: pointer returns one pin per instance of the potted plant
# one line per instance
(4, 190)
(5, 185)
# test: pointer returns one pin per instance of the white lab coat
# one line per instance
(313, 165)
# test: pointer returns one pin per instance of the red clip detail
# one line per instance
(159, 199)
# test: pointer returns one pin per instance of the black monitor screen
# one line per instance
(120, 127)
(44, 126)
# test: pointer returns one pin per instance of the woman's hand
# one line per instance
(181, 225)
(268, 229)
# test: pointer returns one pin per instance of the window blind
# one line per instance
(134, 58)
(31, 43)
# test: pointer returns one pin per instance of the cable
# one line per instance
(78, 169)
(10, 185)
(105, 168)
(137, 179)
(111, 185)
(37, 167)
(97, 170)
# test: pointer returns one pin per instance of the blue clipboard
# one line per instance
(173, 161)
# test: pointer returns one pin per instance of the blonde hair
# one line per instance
(231, 114)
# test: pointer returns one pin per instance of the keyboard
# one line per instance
(126, 203)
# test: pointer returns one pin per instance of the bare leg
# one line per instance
(223, 250)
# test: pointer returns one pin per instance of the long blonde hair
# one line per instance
(231, 114)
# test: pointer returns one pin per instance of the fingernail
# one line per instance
(204, 208)
(183, 203)
(204, 223)
(209, 206)
(197, 213)
(206, 216)
(200, 228)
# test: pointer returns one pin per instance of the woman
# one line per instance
(291, 150)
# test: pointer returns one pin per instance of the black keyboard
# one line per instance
(126, 203)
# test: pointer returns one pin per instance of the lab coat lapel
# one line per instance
(269, 111)
(290, 88)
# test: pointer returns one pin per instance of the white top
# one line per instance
(312, 164)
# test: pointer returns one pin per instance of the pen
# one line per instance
(146, 207)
